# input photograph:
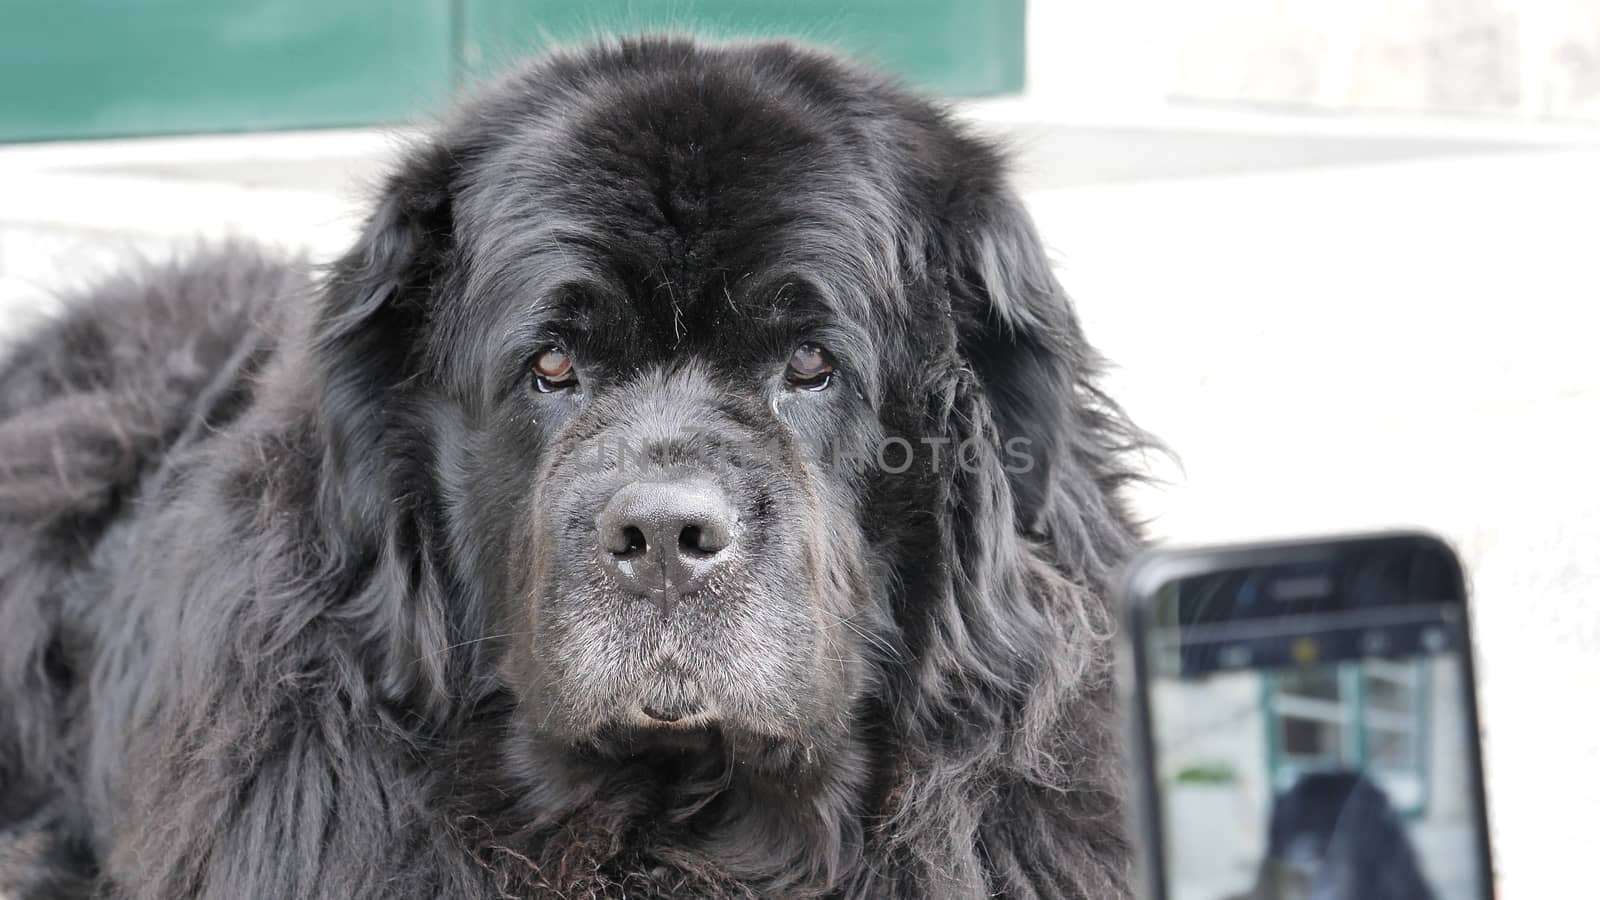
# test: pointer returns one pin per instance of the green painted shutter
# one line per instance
(961, 48)
(97, 68)
(101, 68)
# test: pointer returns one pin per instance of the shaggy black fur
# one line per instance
(300, 594)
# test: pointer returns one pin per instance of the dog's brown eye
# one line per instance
(810, 368)
(553, 371)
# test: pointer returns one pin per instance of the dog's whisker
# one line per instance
(878, 641)
(469, 643)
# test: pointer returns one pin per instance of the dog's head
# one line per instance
(710, 391)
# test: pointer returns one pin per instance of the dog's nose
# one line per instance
(662, 540)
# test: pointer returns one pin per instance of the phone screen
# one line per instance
(1311, 728)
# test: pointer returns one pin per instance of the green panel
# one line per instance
(102, 68)
(96, 68)
(955, 47)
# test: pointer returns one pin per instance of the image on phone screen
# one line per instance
(1310, 729)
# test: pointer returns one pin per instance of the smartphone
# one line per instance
(1304, 725)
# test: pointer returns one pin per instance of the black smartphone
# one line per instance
(1304, 725)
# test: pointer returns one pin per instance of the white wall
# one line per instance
(1524, 58)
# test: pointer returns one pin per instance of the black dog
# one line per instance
(1335, 836)
(693, 483)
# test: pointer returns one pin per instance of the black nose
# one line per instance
(662, 540)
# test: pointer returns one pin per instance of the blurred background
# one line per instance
(1344, 251)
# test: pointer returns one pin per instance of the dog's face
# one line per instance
(685, 557)
(674, 352)
(655, 458)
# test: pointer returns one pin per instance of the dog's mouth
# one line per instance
(670, 698)
(670, 713)
(672, 707)
(701, 743)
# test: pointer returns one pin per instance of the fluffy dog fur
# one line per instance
(297, 585)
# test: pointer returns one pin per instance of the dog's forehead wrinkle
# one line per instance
(571, 186)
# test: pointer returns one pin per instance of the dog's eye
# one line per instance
(553, 371)
(810, 368)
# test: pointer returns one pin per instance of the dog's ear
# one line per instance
(374, 305)
(1063, 442)
(369, 358)
(1010, 769)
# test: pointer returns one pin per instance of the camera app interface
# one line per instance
(1311, 735)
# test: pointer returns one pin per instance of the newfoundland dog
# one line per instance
(692, 483)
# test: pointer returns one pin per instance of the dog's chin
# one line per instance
(648, 722)
(636, 738)
(673, 715)
(706, 749)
